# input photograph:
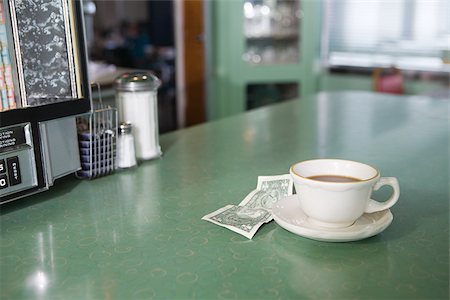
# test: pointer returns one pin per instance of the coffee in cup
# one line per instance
(334, 193)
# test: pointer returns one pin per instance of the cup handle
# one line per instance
(375, 206)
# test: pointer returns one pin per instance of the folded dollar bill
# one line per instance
(239, 219)
(255, 210)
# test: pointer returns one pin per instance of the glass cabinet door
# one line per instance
(271, 31)
(265, 93)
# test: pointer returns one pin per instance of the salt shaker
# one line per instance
(126, 156)
(136, 100)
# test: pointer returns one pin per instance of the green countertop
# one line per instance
(138, 234)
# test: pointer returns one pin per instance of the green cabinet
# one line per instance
(259, 52)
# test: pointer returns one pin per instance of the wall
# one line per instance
(111, 13)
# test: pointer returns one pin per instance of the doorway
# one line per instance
(164, 37)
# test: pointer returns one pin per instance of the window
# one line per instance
(408, 34)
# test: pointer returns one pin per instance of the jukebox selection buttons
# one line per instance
(2, 166)
(3, 181)
(13, 170)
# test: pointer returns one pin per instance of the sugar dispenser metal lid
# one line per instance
(125, 128)
(137, 81)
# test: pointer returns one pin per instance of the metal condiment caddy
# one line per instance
(97, 135)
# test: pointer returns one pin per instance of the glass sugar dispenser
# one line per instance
(136, 101)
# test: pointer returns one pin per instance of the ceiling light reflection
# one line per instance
(38, 281)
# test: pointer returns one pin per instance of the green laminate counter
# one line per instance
(137, 234)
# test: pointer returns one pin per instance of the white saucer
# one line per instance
(288, 213)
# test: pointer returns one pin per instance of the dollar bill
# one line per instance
(245, 223)
(255, 210)
(269, 190)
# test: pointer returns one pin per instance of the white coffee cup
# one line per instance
(336, 204)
